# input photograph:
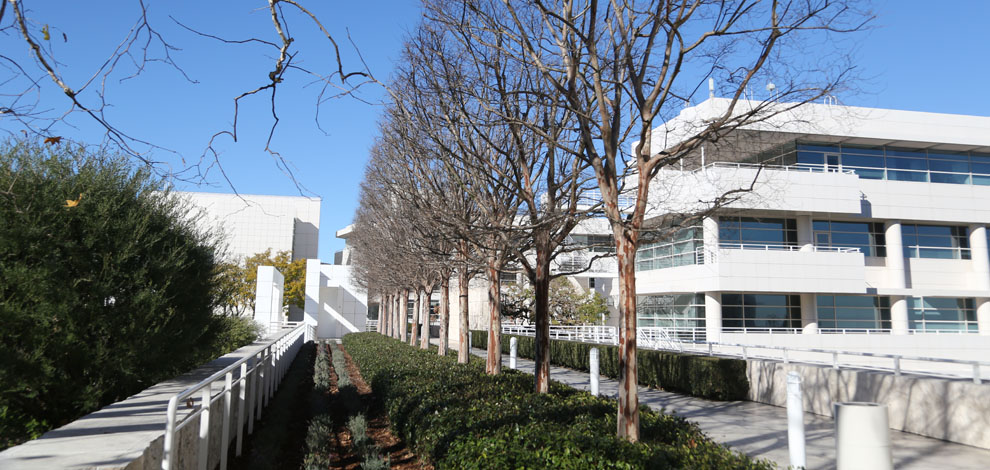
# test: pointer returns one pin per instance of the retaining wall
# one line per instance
(955, 410)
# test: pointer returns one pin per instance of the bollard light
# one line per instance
(593, 370)
(513, 347)
(795, 421)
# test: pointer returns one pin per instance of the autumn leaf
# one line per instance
(53, 140)
(44, 32)
(71, 203)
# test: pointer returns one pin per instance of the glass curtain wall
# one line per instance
(891, 163)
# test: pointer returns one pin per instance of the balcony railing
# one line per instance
(774, 247)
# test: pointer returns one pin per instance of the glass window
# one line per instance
(867, 236)
(855, 312)
(941, 313)
(682, 248)
(907, 175)
(756, 233)
(761, 311)
(899, 164)
(935, 241)
(671, 311)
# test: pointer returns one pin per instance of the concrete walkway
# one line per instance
(126, 434)
(760, 430)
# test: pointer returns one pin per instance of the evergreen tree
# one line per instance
(105, 286)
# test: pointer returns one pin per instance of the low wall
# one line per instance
(130, 434)
(954, 410)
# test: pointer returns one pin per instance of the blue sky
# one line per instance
(919, 55)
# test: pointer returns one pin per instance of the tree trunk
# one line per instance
(424, 341)
(628, 414)
(463, 278)
(493, 366)
(403, 315)
(414, 337)
(381, 315)
(444, 315)
(541, 288)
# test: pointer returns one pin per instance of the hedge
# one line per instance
(698, 376)
(456, 416)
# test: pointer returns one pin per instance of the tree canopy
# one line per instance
(105, 287)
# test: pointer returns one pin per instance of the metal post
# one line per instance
(593, 371)
(795, 421)
(225, 434)
(513, 347)
(204, 428)
(168, 449)
(242, 397)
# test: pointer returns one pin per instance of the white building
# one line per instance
(861, 220)
(254, 223)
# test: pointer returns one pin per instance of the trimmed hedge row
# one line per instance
(698, 376)
(456, 416)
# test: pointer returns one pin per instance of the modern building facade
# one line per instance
(859, 221)
(253, 223)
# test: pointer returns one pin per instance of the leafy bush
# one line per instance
(106, 287)
(456, 416)
(699, 376)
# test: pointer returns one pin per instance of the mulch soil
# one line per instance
(399, 455)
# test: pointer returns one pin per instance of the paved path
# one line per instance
(760, 430)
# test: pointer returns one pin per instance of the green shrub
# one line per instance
(456, 416)
(106, 286)
(699, 376)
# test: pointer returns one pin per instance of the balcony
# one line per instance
(762, 268)
(779, 188)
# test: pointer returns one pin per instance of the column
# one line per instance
(981, 274)
(709, 234)
(809, 314)
(896, 277)
(311, 310)
(268, 299)
(805, 235)
(713, 317)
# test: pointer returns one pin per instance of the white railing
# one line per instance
(799, 168)
(916, 251)
(371, 325)
(259, 377)
(584, 333)
(692, 340)
(773, 247)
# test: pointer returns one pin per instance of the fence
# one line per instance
(691, 340)
(259, 377)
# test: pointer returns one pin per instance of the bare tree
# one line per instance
(42, 86)
(623, 67)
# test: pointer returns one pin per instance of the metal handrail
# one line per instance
(776, 247)
(789, 168)
(257, 383)
(676, 342)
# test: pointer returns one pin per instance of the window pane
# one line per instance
(869, 174)
(854, 301)
(951, 178)
(850, 227)
(906, 176)
(855, 160)
(905, 152)
(862, 150)
(956, 167)
(907, 163)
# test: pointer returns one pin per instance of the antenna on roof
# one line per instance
(711, 87)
